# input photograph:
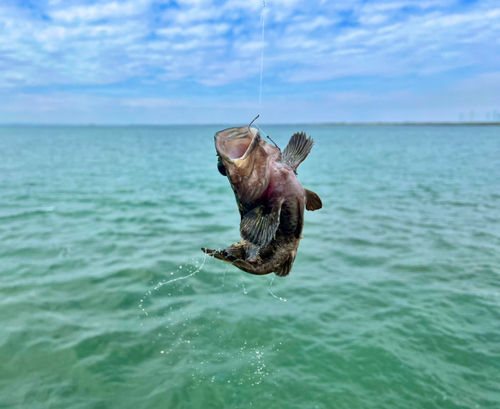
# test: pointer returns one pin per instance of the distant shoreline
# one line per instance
(269, 124)
(406, 124)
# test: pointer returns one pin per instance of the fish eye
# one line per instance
(221, 167)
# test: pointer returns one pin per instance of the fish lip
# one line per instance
(233, 136)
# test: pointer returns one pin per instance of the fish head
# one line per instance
(235, 146)
(244, 158)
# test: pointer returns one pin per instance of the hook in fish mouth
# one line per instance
(235, 143)
(250, 124)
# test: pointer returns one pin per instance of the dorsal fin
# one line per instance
(297, 149)
(313, 202)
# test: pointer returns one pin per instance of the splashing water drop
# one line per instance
(278, 298)
(182, 278)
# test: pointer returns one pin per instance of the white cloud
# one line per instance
(373, 19)
(306, 24)
(480, 93)
(200, 30)
(96, 42)
(99, 11)
(211, 43)
(416, 46)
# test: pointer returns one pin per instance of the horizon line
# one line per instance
(340, 123)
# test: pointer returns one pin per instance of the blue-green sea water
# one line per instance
(393, 301)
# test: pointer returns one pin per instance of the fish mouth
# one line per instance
(236, 143)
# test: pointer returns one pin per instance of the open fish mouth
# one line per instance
(235, 143)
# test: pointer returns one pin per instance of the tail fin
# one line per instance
(286, 267)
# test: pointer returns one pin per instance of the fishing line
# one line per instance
(260, 130)
(262, 22)
(270, 285)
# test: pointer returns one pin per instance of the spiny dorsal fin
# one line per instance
(285, 268)
(297, 149)
(313, 202)
(259, 225)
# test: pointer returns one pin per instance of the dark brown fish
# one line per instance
(270, 199)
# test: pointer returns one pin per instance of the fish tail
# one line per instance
(286, 267)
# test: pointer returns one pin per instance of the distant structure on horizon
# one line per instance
(489, 116)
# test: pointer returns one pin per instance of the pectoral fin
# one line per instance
(297, 149)
(259, 225)
(313, 202)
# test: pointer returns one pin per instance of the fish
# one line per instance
(270, 199)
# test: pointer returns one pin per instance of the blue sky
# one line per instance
(198, 61)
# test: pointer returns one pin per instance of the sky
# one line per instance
(199, 61)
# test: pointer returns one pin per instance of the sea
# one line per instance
(107, 301)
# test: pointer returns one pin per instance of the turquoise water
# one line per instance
(393, 301)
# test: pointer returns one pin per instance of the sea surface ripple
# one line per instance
(393, 301)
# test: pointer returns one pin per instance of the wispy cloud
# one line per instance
(190, 49)
(99, 11)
